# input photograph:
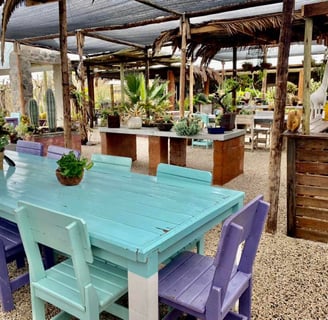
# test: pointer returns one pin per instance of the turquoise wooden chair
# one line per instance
(175, 174)
(80, 285)
(182, 176)
(202, 142)
(104, 163)
(56, 152)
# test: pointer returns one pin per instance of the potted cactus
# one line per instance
(51, 110)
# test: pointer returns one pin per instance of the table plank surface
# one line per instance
(132, 219)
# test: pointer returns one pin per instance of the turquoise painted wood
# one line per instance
(175, 174)
(80, 285)
(183, 176)
(132, 219)
(107, 163)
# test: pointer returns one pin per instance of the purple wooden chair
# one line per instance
(11, 249)
(29, 147)
(56, 152)
(208, 288)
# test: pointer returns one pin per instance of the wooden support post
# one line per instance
(91, 91)
(307, 75)
(183, 64)
(65, 73)
(171, 88)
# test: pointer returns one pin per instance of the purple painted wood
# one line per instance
(29, 147)
(56, 152)
(208, 288)
(11, 248)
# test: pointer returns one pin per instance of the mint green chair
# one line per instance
(175, 174)
(80, 285)
(104, 163)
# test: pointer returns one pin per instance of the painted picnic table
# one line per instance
(133, 219)
(168, 147)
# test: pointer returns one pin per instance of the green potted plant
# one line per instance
(165, 123)
(134, 116)
(71, 169)
(111, 117)
(4, 139)
(188, 126)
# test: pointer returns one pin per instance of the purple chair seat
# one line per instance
(209, 288)
(11, 249)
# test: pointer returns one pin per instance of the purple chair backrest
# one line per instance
(56, 152)
(29, 147)
(244, 227)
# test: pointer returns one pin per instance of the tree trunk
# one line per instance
(65, 75)
(279, 115)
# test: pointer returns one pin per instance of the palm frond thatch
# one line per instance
(8, 9)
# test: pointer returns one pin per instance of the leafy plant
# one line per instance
(187, 127)
(4, 140)
(148, 98)
(4, 134)
(70, 165)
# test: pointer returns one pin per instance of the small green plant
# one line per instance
(187, 127)
(4, 134)
(70, 165)
(4, 140)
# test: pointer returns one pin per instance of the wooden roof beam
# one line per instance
(315, 9)
(113, 40)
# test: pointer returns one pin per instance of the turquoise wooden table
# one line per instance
(133, 220)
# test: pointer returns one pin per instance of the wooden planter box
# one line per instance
(56, 138)
(307, 186)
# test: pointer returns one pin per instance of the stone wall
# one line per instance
(21, 63)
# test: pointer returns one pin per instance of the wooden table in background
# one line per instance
(168, 147)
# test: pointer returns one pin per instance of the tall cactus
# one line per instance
(33, 112)
(51, 110)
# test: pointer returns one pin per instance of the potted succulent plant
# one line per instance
(71, 169)
(188, 126)
(165, 123)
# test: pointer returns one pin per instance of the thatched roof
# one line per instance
(114, 29)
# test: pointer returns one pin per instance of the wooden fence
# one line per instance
(307, 186)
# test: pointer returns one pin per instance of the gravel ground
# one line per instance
(290, 275)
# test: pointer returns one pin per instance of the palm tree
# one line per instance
(150, 98)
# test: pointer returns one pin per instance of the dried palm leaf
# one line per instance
(8, 9)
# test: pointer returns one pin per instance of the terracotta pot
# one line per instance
(68, 181)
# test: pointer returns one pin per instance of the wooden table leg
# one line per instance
(117, 144)
(158, 152)
(178, 151)
(228, 159)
